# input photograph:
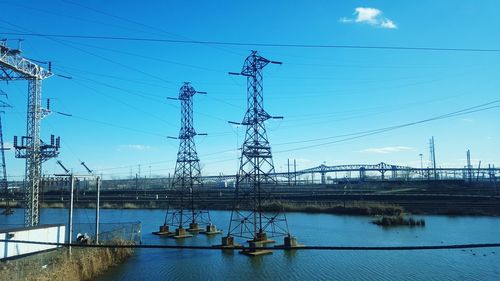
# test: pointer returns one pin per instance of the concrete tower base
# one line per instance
(193, 227)
(211, 230)
(164, 231)
(181, 233)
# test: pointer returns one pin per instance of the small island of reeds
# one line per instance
(401, 220)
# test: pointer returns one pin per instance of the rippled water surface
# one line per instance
(311, 229)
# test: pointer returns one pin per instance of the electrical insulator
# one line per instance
(15, 141)
(52, 140)
(58, 142)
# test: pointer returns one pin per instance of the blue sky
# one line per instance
(121, 116)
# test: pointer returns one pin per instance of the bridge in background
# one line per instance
(381, 171)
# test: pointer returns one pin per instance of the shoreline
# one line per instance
(83, 264)
(361, 208)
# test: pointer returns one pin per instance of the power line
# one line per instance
(252, 44)
(358, 135)
(152, 27)
(336, 248)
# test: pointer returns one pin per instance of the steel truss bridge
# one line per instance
(383, 171)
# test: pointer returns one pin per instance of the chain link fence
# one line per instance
(86, 263)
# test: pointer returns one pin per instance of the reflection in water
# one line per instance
(310, 229)
(290, 254)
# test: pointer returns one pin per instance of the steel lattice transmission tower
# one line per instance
(188, 214)
(4, 185)
(256, 168)
(13, 66)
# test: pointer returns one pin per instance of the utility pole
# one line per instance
(288, 171)
(295, 171)
(71, 205)
(256, 170)
(469, 167)
(13, 66)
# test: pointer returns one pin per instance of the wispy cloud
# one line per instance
(387, 150)
(138, 147)
(370, 16)
(8, 145)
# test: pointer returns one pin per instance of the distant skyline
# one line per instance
(333, 99)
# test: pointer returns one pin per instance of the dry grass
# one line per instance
(108, 206)
(12, 204)
(83, 264)
(52, 205)
(130, 206)
(387, 221)
(356, 208)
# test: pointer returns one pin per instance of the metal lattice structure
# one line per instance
(381, 168)
(13, 66)
(248, 220)
(432, 156)
(187, 176)
(4, 185)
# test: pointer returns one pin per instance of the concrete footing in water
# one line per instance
(181, 233)
(164, 231)
(211, 230)
(260, 241)
(290, 242)
(194, 227)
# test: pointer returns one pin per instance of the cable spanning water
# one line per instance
(336, 248)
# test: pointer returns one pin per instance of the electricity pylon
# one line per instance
(248, 220)
(13, 66)
(4, 185)
(187, 178)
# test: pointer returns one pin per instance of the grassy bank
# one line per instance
(83, 264)
(355, 208)
(12, 204)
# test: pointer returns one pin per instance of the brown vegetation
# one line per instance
(398, 221)
(83, 264)
(355, 208)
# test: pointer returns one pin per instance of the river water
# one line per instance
(313, 230)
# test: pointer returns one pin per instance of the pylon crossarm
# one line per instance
(16, 67)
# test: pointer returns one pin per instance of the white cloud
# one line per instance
(8, 145)
(371, 16)
(386, 150)
(345, 20)
(138, 147)
(387, 23)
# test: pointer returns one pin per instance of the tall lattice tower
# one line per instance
(13, 66)
(187, 214)
(4, 185)
(432, 155)
(248, 220)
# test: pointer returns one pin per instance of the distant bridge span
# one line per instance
(396, 171)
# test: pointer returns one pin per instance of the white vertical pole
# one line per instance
(70, 232)
(97, 210)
